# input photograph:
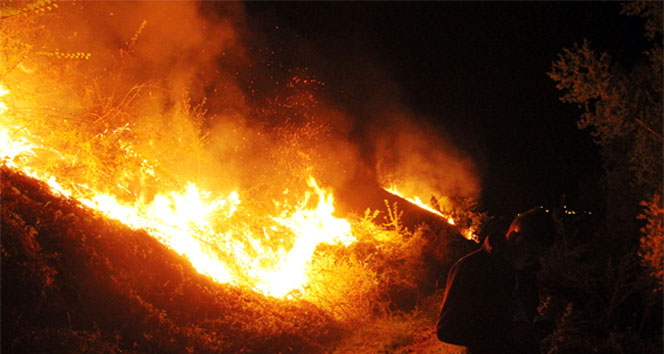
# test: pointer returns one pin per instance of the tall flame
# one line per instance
(311, 227)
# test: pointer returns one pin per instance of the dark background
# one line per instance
(476, 70)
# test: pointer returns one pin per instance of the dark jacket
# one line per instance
(480, 306)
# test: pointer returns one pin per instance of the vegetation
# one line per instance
(603, 279)
(75, 281)
(622, 108)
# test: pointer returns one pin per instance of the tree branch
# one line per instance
(648, 128)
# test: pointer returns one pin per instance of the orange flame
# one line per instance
(418, 201)
(187, 222)
(468, 233)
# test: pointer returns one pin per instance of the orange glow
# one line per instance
(468, 233)
(418, 201)
(124, 131)
(311, 227)
(175, 219)
(198, 225)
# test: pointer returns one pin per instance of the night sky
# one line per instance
(477, 70)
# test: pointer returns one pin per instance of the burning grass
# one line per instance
(74, 280)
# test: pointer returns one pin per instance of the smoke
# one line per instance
(373, 137)
(415, 157)
(171, 43)
(276, 107)
(161, 76)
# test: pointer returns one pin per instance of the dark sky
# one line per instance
(476, 69)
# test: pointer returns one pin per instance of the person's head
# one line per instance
(530, 235)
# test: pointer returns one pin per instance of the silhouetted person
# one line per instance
(491, 298)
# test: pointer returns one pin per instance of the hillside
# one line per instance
(75, 281)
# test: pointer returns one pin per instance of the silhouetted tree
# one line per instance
(622, 108)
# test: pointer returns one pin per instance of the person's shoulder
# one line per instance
(470, 261)
(479, 255)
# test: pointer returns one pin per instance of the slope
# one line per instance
(74, 281)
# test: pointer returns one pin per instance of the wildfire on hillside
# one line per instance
(208, 230)
(244, 205)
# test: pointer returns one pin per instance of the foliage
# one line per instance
(389, 269)
(651, 12)
(393, 217)
(342, 285)
(652, 240)
(623, 108)
(411, 332)
(599, 303)
(600, 297)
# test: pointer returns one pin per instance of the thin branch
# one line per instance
(648, 128)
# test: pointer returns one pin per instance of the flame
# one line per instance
(311, 227)
(188, 220)
(175, 219)
(418, 201)
(93, 134)
(467, 233)
(3, 106)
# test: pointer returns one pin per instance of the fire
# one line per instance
(3, 106)
(188, 220)
(311, 227)
(418, 201)
(467, 233)
(175, 219)
(119, 136)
